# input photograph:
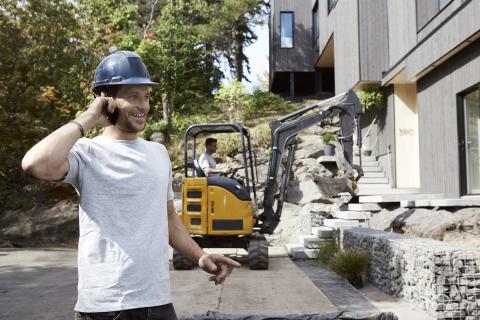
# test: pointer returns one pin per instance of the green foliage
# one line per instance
(328, 137)
(228, 144)
(261, 135)
(232, 99)
(350, 264)
(327, 249)
(370, 98)
(182, 122)
(261, 102)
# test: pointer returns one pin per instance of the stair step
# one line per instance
(369, 190)
(364, 207)
(322, 232)
(371, 169)
(365, 158)
(340, 223)
(374, 174)
(351, 215)
(370, 164)
(368, 180)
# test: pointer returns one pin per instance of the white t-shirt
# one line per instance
(124, 186)
(207, 161)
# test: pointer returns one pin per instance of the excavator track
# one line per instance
(258, 253)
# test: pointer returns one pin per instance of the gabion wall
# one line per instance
(443, 279)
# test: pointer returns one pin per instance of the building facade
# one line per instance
(425, 57)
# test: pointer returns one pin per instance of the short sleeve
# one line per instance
(170, 194)
(203, 162)
(75, 161)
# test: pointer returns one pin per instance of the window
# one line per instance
(471, 104)
(315, 23)
(286, 29)
(443, 3)
(331, 4)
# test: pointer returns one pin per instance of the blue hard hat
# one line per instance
(121, 68)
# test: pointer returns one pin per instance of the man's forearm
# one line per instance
(45, 159)
(179, 237)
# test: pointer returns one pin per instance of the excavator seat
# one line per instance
(198, 170)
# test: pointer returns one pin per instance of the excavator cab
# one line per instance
(219, 211)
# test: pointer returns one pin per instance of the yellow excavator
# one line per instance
(222, 212)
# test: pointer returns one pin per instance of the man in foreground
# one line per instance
(126, 213)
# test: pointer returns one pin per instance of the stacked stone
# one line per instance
(442, 279)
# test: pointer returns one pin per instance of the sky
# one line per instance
(257, 54)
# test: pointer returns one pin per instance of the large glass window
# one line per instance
(472, 140)
(286, 29)
(443, 3)
(315, 23)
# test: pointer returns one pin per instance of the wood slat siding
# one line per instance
(460, 27)
(346, 48)
(437, 116)
(298, 58)
(426, 9)
(402, 30)
(373, 33)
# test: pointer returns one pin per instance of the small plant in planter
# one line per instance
(328, 149)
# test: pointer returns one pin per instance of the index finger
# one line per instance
(102, 94)
(230, 262)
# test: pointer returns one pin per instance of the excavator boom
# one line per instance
(285, 129)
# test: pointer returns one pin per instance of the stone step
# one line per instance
(377, 190)
(322, 232)
(459, 202)
(398, 197)
(340, 223)
(373, 174)
(310, 241)
(364, 158)
(372, 169)
(374, 186)
(370, 164)
(351, 215)
(368, 180)
(298, 251)
(364, 207)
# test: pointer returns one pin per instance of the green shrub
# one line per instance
(231, 98)
(328, 137)
(370, 98)
(180, 123)
(351, 265)
(228, 144)
(326, 250)
(261, 135)
(261, 102)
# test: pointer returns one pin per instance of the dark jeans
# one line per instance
(164, 312)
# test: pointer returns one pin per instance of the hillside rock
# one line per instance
(461, 227)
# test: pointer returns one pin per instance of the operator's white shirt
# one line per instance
(207, 161)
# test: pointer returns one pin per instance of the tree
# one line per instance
(178, 59)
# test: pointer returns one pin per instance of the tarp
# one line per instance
(342, 315)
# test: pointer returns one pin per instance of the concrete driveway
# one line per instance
(41, 284)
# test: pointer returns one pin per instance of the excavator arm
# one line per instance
(284, 131)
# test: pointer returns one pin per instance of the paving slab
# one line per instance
(384, 190)
(364, 207)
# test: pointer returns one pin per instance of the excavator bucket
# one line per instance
(331, 187)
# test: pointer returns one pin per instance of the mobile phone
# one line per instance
(112, 116)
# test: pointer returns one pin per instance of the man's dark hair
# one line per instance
(209, 141)
(110, 91)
